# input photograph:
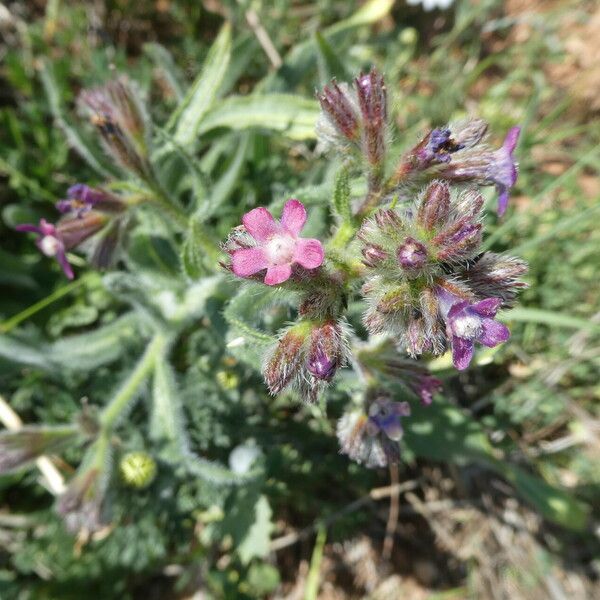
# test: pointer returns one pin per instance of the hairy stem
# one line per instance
(122, 398)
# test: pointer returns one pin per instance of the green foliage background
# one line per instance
(237, 133)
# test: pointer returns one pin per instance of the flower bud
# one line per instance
(412, 255)
(372, 99)
(325, 353)
(81, 199)
(118, 115)
(435, 206)
(340, 109)
(286, 360)
(20, 448)
(496, 275)
(374, 255)
(81, 504)
(459, 240)
(138, 469)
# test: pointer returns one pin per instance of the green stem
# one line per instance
(121, 400)
(47, 301)
(176, 215)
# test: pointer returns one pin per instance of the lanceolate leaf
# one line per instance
(189, 115)
(293, 116)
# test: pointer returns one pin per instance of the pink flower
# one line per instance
(278, 245)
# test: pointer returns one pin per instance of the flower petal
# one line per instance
(293, 217)
(504, 194)
(278, 274)
(248, 261)
(260, 224)
(488, 307)
(462, 352)
(309, 253)
(493, 333)
(61, 257)
(392, 427)
(457, 309)
(511, 139)
(28, 228)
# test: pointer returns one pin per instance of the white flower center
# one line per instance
(49, 245)
(280, 249)
(466, 327)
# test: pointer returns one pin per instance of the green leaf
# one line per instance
(166, 421)
(293, 116)
(23, 353)
(341, 196)
(198, 248)
(330, 65)
(303, 55)
(255, 543)
(90, 350)
(226, 184)
(554, 504)
(200, 97)
(445, 433)
(548, 317)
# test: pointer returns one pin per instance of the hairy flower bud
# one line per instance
(372, 99)
(325, 353)
(138, 469)
(412, 255)
(117, 113)
(81, 199)
(496, 276)
(435, 206)
(20, 448)
(338, 105)
(286, 360)
(374, 255)
(81, 504)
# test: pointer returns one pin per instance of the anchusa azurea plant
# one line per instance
(410, 247)
(401, 278)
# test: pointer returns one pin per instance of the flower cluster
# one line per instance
(420, 288)
(88, 213)
(458, 153)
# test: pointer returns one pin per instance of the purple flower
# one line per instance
(56, 240)
(278, 245)
(503, 170)
(371, 436)
(50, 243)
(468, 323)
(436, 148)
(486, 167)
(384, 417)
(425, 386)
(80, 199)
